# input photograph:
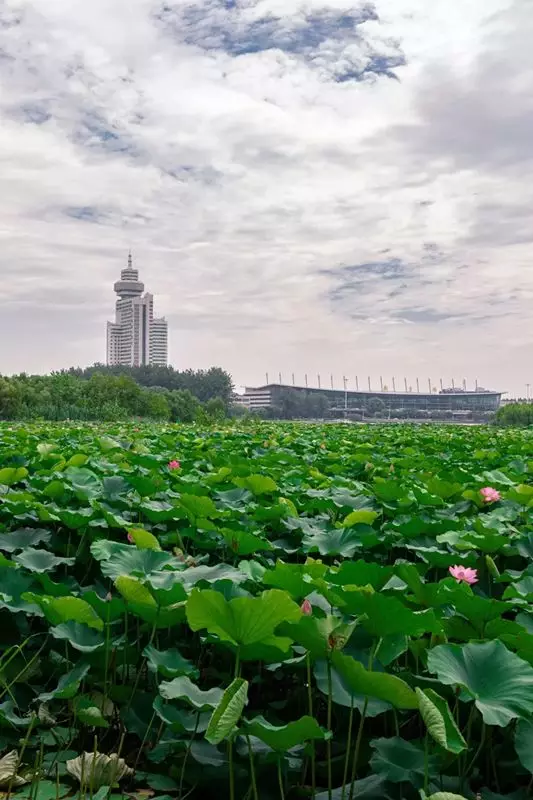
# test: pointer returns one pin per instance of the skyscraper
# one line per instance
(135, 338)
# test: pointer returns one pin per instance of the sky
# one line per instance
(326, 187)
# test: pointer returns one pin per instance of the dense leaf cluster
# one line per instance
(273, 619)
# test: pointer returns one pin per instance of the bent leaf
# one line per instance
(284, 737)
(374, 684)
(228, 712)
(439, 721)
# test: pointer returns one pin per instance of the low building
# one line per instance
(347, 403)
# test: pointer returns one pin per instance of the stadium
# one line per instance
(346, 403)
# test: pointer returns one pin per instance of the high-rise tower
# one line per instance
(135, 338)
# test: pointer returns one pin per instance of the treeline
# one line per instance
(518, 415)
(202, 384)
(109, 394)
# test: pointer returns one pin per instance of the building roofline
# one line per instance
(377, 393)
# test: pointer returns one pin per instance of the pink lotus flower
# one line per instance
(306, 608)
(490, 495)
(174, 464)
(131, 540)
(465, 574)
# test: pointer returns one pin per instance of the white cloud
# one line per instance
(244, 181)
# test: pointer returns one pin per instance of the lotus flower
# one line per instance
(465, 574)
(174, 464)
(306, 608)
(96, 769)
(490, 495)
(131, 540)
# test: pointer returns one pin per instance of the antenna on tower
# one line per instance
(130, 260)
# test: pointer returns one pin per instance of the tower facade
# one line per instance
(135, 338)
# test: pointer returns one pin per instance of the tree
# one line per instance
(375, 406)
(184, 406)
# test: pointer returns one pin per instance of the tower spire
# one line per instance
(129, 259)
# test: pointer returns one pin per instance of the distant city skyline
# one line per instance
(136, 338)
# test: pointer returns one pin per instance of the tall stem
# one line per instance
(231, 773)
(310, 711)
(348, 751)
(187, 753)
(252, 769)
(230, 740)
(359, 738)
(426, 764)
(280, 781)
(358, 747)
(328, 743)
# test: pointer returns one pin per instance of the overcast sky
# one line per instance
(324, 186)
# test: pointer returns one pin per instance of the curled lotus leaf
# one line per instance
(8, 770)
(97, 769)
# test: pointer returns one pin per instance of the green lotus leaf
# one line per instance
(169, 663)
(22, 538)
(11, 475)
(199, 506)
(144, 540)
(523, 742)
(401, 761)
(360, 573)
(228, 712)
(360, 516)
(320, 636)
(284, 737)
(243, 543)
(81, 636)
(66, 609)
(499, 682)
(257, 484)
(184, 689)
(180, 719)
(85, 483)
(68, 684)
(40, 560)
(296, 579)
(387, 616)
(343, 695)
(379, 685)
(243, 620)
(126, 559)
(89, 713)
(440, 723)
(340, 541)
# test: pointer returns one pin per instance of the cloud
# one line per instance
(331, 40)
(317, 187)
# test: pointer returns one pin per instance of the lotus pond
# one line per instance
(275, 611)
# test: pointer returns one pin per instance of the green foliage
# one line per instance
(115, 393)
(518, 415)
(272, 618)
